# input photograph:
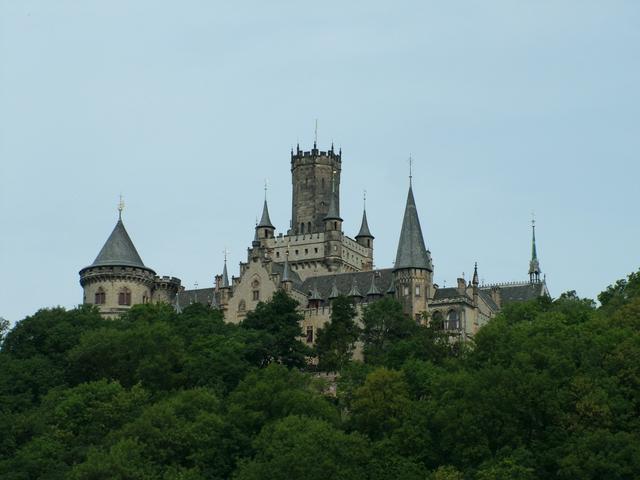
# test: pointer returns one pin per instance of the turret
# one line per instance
(534, 265)
(413, 270)
(365, 239)
(117, 279)
(311, 174)
(333, 234)
(265, 228)
(286, 281)
(374, 292)
(354, 292)
(475, 283)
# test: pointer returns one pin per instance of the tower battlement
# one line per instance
(331, 154)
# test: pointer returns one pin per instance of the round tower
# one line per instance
(117, 279)
(312, 173)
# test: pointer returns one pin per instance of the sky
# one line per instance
(185, 108)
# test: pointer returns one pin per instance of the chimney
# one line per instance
(462, 286)
(496, 295)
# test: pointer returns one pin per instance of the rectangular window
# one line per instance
(405, 290)
(417, 290)
(309, 334)
(256, 295)
(124, 298)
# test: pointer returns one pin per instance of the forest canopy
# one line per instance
(548, 389)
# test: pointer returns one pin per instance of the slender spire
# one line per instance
(333, 213)
(475, 275)
(412, 252)
(392, 287)
(265, 221)
(534, 264)
(225, 275)
(364, 226)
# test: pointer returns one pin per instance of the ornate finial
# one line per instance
(364, 199)
(266, 187)
(120, 207)
(225, 252)
(410, 170)
(195, 285)
(315, 136)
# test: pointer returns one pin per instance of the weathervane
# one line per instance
(225, 253)
(266, 187)
(120, 207)
(410, 170)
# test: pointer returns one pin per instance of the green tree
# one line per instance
(381, 404)
(384, 324)
(277, 324)
(336, 341)
(306, 449)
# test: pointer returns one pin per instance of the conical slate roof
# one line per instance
(333, 214)
(534, 265)
(118, 250)
(373, 289)
(364, 227)
(286, 271)
(412, 252)
(315, 294)
(265, 221)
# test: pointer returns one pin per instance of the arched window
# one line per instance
(438, 320)
(101, 297)
(242, 306)
(302, 228)
(453, 320)
(124, 296)
(308, 227)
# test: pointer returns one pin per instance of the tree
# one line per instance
(336, 341)
(277, 324)
(384, 324)
(304, 448)
(381, 404)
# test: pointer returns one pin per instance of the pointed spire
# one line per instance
(214, 303)
(412, 252)
(225, 274)
(355, 291)
(374, 291)
(364, 227)
(475, 281)
(265, 221)
(333, 213)
(118, 250)
(534, 264)
(335, 293)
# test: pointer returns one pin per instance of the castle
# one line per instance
(313, 262)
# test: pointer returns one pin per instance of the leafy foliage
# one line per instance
(549, 389)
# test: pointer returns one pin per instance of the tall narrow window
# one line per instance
(256, 295)
(124, 297)
(101, 297)
(310, 334)
(453, 320)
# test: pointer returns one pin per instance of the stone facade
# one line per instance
(314, 261)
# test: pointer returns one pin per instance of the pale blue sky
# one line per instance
(185, 107)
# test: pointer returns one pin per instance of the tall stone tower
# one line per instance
(413, 270)
(312, 174)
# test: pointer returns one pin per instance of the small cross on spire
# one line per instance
(266, 187)
(225, 253)
(410, 170)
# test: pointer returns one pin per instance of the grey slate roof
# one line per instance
(265, 221)
(445, 293)
(119, 250)
(201, 295)
(364, 227)
(225, 276)
(518, 292)
(373, 288)
(412, 252)
(293, 277)
(345, 281)
(355, 291)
